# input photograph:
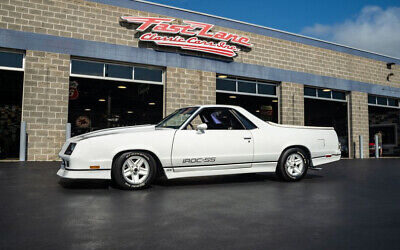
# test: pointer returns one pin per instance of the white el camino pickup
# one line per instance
(198, 141)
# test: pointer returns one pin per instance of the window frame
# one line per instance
(14, 52)
(325, 98)
(184, 126)
(117, 78)
(387, 102)
(256, 82)
(237, 114)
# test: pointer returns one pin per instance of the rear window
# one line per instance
(246, 122)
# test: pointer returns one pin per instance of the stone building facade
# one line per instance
(52, 33)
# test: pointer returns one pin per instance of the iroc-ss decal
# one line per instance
(199, 160)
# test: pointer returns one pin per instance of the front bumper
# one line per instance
(68, 173)
(103, 174)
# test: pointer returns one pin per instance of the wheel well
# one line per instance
(305, 149)
(158, 162)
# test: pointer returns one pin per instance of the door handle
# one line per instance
(247, 138)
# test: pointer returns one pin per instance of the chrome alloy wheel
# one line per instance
(135, 169)
(294, 165)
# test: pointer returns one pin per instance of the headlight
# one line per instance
(70, 148)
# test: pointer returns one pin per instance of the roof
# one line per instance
(214, 106)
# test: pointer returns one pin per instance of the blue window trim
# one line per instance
(247, 27)
(99, 50)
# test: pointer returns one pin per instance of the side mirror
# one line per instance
(201, 127)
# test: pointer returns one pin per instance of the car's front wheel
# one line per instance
(292, 165)
(134, 170)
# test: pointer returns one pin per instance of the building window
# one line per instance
(384, 121)
(87, 68)
(335, 95)
(247, 87)
(257, 97)
(119, 71)
(104, 95)
(371, 99)
(11, 88)
(327, 108)
(226, 85)
(144, 74)
(310, 91)
(112, 71)
(256, 87)
(266, 89)
(11, 60)
(383, 101)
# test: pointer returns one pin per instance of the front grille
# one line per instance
(65, 163)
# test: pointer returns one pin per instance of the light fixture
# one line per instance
(232, 96)
(222, 76)
(389, 65)
(274, 100)
(326, 90)
(257, 111)
(102, 100)
(87, 109)
(122, 87)
(152, 103)
(129, 112)
(388, 76)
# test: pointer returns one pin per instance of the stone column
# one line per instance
(359, 123)
(185, 87)
(45, 103)
(291, 103)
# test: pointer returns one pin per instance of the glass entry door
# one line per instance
(10, 113)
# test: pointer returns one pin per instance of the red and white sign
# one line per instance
(226, 45)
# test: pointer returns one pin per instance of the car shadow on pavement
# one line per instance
(207, 180)
(224, 179)
(84, 184)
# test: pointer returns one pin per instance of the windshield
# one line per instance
(176, 119)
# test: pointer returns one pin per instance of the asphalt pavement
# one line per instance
(350, 204)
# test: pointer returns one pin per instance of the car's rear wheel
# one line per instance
(292, 165)
(134, 170)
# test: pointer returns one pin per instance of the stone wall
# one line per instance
(359, 124)
(291, 103)
(45, 103)
(185, 87)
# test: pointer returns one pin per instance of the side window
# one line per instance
(192, 125)
(216, 118)
(246, 122)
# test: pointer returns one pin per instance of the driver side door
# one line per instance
(224, 144)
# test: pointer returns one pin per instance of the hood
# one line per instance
(113, 131)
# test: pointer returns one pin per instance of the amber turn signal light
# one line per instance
(94, 167)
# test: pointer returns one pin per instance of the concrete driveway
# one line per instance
(351, 204)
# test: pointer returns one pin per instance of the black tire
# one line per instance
(119, 165)
(283, 171)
